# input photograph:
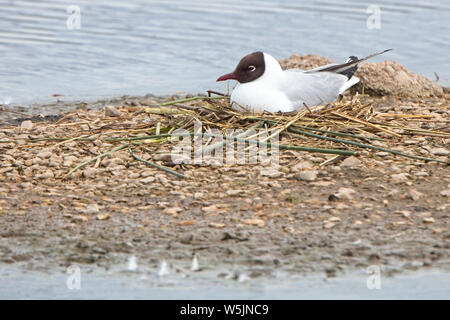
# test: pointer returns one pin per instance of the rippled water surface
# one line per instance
(137, 47)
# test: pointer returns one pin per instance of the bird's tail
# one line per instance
(350, 66)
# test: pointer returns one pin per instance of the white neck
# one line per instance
(272, 68)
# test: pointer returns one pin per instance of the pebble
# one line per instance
(254, 222)
(382, 154)
(111, 111)
(329, 225)
(234, 192)
(44, 154)
(27, 124)
(351, 162)
(80, 218)
(98, 250)
(7, 169)
(271, 173)
(53, 164)
(46, 175)
(147, 173)
(134, 175)
(89, 172)
(217, 225)
(440, 152)
(70, 158)
(162, 179)
(399, 178)
(335, 169)
(147, 180)
(345, 193)
(186, 239)
(323, 183)
(404, 213)
(92, 209)
(173, 211)
(36, 161)
(210, 209)
(308, 175)
(428, 220)
(198, 195)
(67, 163)
(274, 184)
(302, 166)
(7, 260)
(103, 216)
(166, 157)
(398, 223)
(414, 194)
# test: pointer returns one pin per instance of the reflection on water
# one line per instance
(165, 46)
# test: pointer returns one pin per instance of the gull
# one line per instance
(264, 86)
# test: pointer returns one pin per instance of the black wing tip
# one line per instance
(352, 69)
(351, 59)
(349, 72)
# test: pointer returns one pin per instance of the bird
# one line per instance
(264, 86)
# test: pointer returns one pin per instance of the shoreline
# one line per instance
(97, 284)
(294, 220)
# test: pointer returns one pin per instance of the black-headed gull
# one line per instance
(264, 86)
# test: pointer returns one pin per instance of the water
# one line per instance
(161, 47)
(100, 285)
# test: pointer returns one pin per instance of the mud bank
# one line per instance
(312, 214)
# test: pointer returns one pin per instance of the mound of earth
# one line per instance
(305, 62)
(377, 79)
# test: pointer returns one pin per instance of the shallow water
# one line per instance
(161, 47)
(103, 285)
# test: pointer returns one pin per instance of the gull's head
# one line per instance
(252, 67)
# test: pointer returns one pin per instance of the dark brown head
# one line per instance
(250, 68)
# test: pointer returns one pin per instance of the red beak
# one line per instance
(228, 76)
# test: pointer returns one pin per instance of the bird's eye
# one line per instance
(252, 68)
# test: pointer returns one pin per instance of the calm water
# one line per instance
(137, 47)
(98, 285)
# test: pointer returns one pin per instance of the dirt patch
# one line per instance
(391, 78)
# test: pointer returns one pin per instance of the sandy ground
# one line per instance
(374, 209)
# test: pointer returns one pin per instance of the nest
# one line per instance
(345, 128)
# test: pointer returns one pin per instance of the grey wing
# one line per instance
(313, 89)
(349, 67)
(320, 68)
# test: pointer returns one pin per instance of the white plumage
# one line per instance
(285, 91)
